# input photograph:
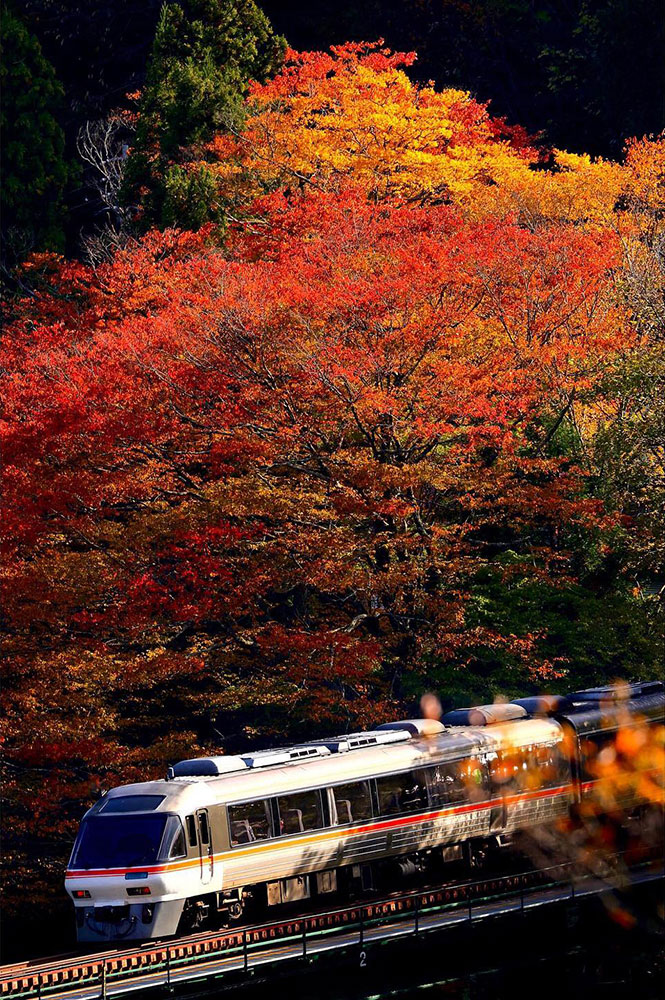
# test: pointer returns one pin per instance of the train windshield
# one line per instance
(119, 841)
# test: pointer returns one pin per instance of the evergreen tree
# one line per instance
(203, 56)
(34, 170)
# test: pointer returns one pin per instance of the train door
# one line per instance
(498, 811)
(205, 846)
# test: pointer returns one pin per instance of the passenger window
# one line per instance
(597, 748)
(353, 802)
(402, 793)
(191, 831)
(300, 812)
(550, 765)
(203, 827)
(512, 771)
(178, 845)
(561, 762)
(501, 771)
(447, 784)
(474, 778)
(250, 821)
(523, 776)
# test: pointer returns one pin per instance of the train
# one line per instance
(224, 836)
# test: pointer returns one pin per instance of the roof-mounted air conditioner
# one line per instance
(617, 692)
(359, 741)
(288, 755)
(484, 715)
(415, 727)
(543, 704)
(201, 767)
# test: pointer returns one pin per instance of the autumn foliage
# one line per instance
(274, 482)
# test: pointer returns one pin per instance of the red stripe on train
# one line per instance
(330, 834)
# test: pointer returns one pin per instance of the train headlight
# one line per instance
(139, 890)
(81, 894)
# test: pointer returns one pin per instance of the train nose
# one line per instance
(128, 922)
(107, 923)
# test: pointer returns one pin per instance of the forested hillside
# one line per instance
(583, 75)
(357, 393)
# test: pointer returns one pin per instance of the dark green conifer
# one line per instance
(34, 170)
(204, 54)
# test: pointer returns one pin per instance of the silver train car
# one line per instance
(264, 829)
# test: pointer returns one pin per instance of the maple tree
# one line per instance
(354, 114)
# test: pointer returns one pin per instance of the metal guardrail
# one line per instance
(239, 951)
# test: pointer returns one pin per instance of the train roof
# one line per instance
(189, 792)
(587, 717)
(393, 747)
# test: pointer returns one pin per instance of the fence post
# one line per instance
(104, 979)
(304, 937)
(39, 986)
(415, 926)
(168, 967)
(362, 928)
(244, 950)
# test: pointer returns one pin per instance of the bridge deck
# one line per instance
(218, 954)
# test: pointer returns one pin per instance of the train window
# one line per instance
(119, 841)
(176, 835)
(523, 777)
(562, 763)
(596, 748)
(602, 740)
(203, 827)
(300, 812)
(474, 776)
(402, 793)
(504, 767)
(353, 802)
(250, 821)
(518, 772)
(550, 766)
(446, 783)
(191, 831)
(131, 803)
(495, 764)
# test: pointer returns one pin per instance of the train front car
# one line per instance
(141, 852)
(338, 816)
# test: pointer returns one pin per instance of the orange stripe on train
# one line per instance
(333, 834)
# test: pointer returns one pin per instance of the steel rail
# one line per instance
(215, 952)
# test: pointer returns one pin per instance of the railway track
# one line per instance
(160, 963)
